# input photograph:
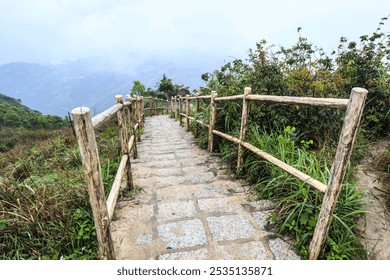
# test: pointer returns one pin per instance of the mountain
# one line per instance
(93, 82)
(14, 115)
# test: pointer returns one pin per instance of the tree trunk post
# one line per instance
(213, 114)
(196, 114)
(151, 106)
(179, 114)
(171, 110)
(132, 124)
(244, 125)
(339, 168)
(138, 117)
(187, 112)
(176, 108)
(91, 164)
(141, 111)
(123, 136)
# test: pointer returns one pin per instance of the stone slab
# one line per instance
(224, 204)
(182, 234)
(282, 250)
(175, 210)
(230, 228)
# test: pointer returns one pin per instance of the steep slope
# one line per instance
(375, 224)
(13, 115)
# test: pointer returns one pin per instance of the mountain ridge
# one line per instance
(56, 89)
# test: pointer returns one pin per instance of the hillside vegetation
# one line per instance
(303, 136)
(44, 204)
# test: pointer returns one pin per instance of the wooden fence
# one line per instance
(130, 115)
(156, 105)
(354, 108)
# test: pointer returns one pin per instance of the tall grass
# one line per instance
(44, 204)
(298, 204)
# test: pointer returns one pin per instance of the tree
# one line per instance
(138, 88)
(165, 86)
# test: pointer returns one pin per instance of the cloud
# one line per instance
(44, 30)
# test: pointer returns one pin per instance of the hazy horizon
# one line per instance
(53, 31)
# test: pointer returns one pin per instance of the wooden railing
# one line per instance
(130, 117)
(156, 105)
(354, 108)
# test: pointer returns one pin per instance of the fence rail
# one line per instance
(354, 109)
(130, 115)
(156, 105)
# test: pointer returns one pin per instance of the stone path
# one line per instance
(189, 206)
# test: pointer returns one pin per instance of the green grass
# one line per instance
(298, 204)
(44, 204)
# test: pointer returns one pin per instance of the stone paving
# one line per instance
(189, 206)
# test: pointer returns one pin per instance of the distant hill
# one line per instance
(57, 89)
(14, 115)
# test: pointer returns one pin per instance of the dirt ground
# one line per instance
(375, 224)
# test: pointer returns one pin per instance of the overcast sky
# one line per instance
(51, 30)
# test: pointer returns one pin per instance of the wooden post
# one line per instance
(132, 124)
(196, 114)
(138, 114)
(176, 108)
(122, 125)
(142, 112)
(138, 117)
(244, 126)
(179, 114)
(339, 168)
(91, 164)
(197, 103)
(151, 106)
(171, 111)
(124, 140)
(187, 112)
(128, 109)
(213, 114)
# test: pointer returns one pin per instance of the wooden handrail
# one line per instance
(354, 108)
(102, 209)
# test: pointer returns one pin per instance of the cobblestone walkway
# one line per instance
(189, 206)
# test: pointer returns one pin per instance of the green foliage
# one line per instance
(307, 71)
(14, 115)
(303, 136)
(165, 86)
(44, 204)
(138, 88)
(368, 65)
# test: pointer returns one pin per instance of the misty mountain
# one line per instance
(92, 82)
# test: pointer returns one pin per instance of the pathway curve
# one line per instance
(189, 206)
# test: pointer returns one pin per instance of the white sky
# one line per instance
(50, 30)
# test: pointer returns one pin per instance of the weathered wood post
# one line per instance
(213, 115)
(196, 114)
(180, 110)
(132, 124)
(155, 112)
(176, 108)
(91, 164)
(187, 112)
(128, 110)
(171, 110)
(339, 168)
(142, 112)
(123, 136)
(138, 117)
(244, 126)
(151, 106)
